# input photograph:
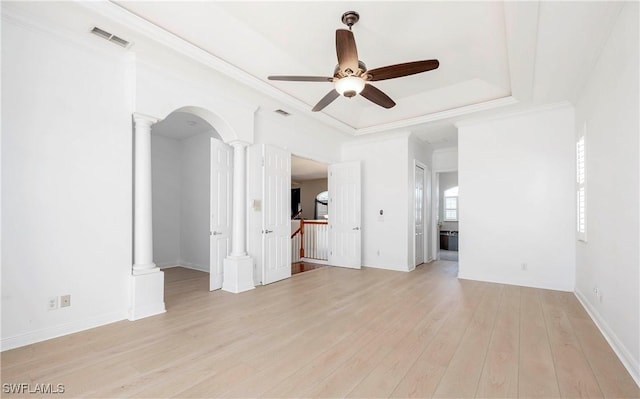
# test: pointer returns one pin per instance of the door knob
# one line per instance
(356, 228)
(267, 231)
(215, 233)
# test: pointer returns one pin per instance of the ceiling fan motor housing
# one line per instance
(350, 18)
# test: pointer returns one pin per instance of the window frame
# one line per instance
(581, 186)
(446, 208)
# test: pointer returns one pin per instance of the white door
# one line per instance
(345, 215)
(220, 210)
(276, 214)
(419, 215)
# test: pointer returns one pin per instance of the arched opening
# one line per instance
(184, 149)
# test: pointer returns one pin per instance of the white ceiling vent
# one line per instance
(282, 112)
(110, 37)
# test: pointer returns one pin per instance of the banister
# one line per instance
(295, 233)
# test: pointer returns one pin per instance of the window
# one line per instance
(451, 205)
(322, 208)
(581, 192)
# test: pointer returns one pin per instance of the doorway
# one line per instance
(446, 237)
(309, 216)
(185, 190)
(419, 214)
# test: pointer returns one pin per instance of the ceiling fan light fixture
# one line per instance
(349, 86)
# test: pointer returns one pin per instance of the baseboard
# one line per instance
(316, 261)
(632, 365)
(167, 265)
(60, 330)
(395, 269)
(466, 276)
(194, 266)
(186, 265)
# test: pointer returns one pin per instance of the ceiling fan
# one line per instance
(351, 76)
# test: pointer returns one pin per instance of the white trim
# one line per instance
(632, 365)
(117, 13)
(316, 261)
(508, 115)
(141, 26)
(392, 268)
(426, 218)
(168, 265)
(470, 276)
(581, 186)
(186, 265)
(47, 333)
(450, 113)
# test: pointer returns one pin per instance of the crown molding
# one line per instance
(512, 113)
(118, 14)
(450, 113)
(155, 33)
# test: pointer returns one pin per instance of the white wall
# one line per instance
(166, 162)
(517, 200)
(299, 135)
(384, 166)
(445, 159)
(66, 184)
(181, 198)
(194, 203)
(610, 259)
(309, 190)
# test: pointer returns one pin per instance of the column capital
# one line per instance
(238, 144)
(142, 119)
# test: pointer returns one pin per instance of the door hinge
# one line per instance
(262, 161)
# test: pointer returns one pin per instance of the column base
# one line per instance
(238, 274)
(147, 295)
(148, 268)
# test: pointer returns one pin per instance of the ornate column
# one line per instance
(147, 281)
(142, 219)
(238, 266)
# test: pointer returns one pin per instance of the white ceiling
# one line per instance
(298, 38)
(493, 55)
(306, 169)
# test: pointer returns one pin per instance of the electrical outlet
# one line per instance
(523, 267)
(65, 301)
(598, 294)
(53, 303)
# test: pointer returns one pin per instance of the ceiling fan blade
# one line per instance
(347, 51)
(301, 78)
(326, 100)
(377, 96)
(400, 70)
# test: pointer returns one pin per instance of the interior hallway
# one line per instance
(366, 333)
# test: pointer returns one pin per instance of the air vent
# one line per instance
(110, 37)
(282, 112)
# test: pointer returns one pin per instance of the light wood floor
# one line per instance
(335, 332)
